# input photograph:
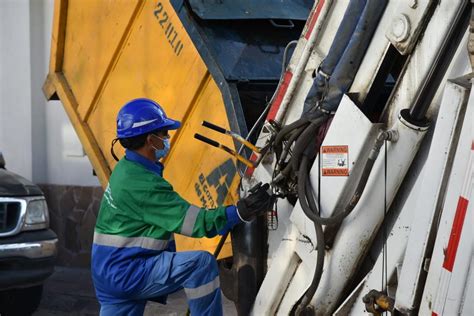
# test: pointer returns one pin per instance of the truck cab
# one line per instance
(27, 245)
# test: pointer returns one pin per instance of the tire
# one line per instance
(20, 302)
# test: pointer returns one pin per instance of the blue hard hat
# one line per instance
(141, 116)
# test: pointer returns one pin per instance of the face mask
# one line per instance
(160, 153)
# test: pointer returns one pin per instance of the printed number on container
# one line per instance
(170, 30)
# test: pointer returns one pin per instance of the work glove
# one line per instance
(256, 203)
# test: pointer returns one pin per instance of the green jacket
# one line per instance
(140, 203)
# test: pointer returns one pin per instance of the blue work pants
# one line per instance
(195, 271)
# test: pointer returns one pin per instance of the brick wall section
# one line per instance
(73, 212)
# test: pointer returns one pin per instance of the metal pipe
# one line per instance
(440, 65)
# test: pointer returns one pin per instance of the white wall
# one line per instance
(36, 137)
(15, 86)
(67, 163)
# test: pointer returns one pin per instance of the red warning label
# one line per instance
(335, 160)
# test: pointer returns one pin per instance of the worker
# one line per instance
(133, 253)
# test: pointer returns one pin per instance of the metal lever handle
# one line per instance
(224, 148)
(236, 136)
(214, 127)
(206, 140)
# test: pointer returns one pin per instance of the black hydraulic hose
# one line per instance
(290, 127)
(309, 207)
(310, 197)
(301, 144)
(280, 137)
(307, 200)
(295, 134)
(285, 173)
(288, 169)
(304, 141)
(318, 272)
(310, 117)
(302, 176)
(441, 63)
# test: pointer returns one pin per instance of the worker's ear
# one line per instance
(154, 141)
(149, 140)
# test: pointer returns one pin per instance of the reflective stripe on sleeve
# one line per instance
(128, 242)
(189, 220)
(202, 290)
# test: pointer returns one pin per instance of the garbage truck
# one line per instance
(358, 113)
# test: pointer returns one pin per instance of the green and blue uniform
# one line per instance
(133, 257)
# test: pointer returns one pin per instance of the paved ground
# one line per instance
(69, 292)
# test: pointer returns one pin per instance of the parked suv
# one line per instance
(27, 245)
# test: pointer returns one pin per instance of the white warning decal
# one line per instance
(335, 160)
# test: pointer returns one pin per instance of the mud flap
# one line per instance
(242, 275)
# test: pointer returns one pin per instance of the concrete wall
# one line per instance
(36, 137)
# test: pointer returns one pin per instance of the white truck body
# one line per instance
(409, 235)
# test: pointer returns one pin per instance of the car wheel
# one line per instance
(20, 302)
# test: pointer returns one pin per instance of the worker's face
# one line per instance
(156, 140)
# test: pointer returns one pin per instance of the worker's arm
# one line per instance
(165, 208)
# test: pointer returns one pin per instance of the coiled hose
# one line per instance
(311, 210)
(301, 134)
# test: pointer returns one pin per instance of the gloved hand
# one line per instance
(256, 203)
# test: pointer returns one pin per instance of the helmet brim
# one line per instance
(170, 124)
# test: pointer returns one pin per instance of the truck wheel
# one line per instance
(20, 302)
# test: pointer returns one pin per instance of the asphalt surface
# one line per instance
(69, 292)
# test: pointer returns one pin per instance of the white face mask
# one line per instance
(160, 153)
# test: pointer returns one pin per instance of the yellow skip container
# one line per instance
(198, 63)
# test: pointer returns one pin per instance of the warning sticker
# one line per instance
(335, 160)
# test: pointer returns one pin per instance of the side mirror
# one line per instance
(2, 161)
